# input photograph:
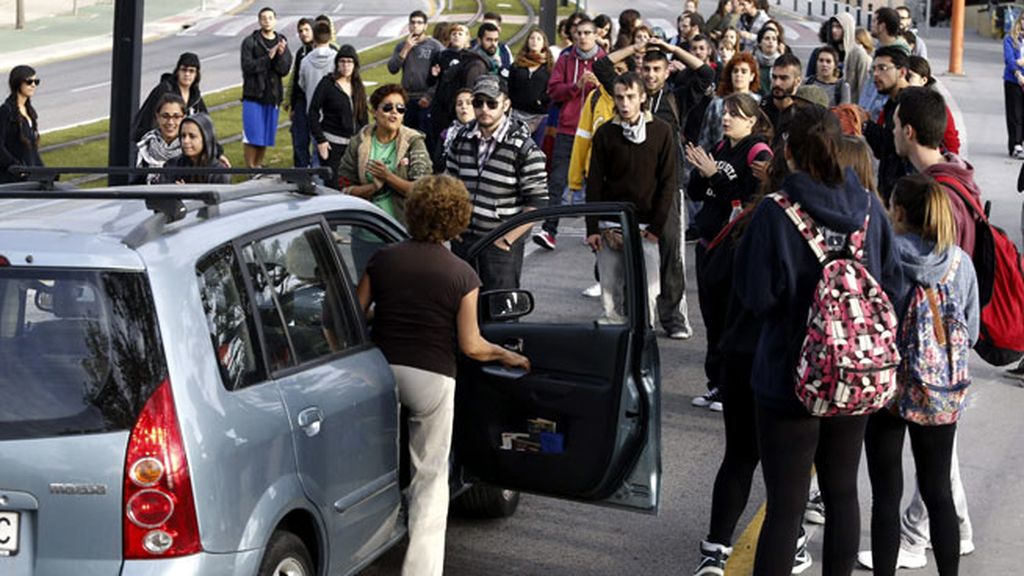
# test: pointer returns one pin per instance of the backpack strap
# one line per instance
(953, 266)
(811, 233)
(756, 150)
(968, 199)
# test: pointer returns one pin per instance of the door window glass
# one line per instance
(356, 244)
(228, 318)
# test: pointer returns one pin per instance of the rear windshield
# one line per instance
(79, 351)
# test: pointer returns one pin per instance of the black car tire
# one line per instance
(486, 501)
(286, 554)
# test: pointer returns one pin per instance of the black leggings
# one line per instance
(933, 451)
(789, 444)
(732, 485)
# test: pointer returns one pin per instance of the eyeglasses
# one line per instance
(389, 108)
(491, 104)
(417, 22)
(164, 116)
(32, 81)
(882, 67)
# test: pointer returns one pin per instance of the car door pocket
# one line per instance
(503, 372)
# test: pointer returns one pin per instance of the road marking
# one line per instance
(394, 27)
(741, 563)
(351, 29)
(217, 56)
(90, 87)
(337, 9)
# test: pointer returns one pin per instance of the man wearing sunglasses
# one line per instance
(503, 169)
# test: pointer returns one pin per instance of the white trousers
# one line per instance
(430, 399)
(611, 267)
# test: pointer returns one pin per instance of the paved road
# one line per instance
(78, 90)
(552, 537)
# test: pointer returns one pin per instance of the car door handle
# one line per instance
(309, 420)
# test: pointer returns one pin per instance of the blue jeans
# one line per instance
(558, 179)
(300, 136)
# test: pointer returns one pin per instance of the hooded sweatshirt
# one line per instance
(959, 169)
(210, 147)
(564, 90)
(315, 65)
(923, 267)
(776, 274)
(857, 62)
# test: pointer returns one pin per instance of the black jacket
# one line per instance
(529, 90)
(883, 144)
(734, 180)
(145, 118)
(335, 107)
(296, 97)
(261, 75)
(19, 140)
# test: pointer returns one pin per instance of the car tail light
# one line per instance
(4, 261)
(159, 507)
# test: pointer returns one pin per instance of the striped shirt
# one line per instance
(512, 177)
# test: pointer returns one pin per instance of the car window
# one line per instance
(297, 293)
(356, 243)
(80, 352)
(229, 319)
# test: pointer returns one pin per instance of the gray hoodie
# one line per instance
(857, 63)
(922, 266)
(315, 65)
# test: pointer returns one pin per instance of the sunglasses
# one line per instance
(491, 104)
(165, 116)
(389, 108)
(32, 81)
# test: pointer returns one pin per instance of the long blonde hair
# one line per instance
(1015, 31)
(927, 209)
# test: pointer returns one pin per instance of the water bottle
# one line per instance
(737, 209)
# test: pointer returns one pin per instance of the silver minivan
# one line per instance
(188, 386)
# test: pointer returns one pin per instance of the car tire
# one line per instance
(486, 501)
(286, 556)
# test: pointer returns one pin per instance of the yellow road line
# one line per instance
(741, 563)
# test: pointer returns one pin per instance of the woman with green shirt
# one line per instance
(385, 158)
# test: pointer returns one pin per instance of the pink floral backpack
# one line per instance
(849, 359)
(936, 346)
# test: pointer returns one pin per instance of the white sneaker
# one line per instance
(1018, 152)
(593, 291)
(906, 559)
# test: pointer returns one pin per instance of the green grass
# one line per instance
(228, 121)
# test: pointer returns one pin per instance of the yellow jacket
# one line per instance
(592, 116)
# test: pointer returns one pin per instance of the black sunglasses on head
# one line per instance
(479, 103)
(389, 107)
(32, 81)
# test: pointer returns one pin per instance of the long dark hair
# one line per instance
(16, 78)
(812, 137)
(359, 109)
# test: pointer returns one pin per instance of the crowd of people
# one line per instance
(796, 181)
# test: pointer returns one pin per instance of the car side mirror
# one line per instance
(505, 305)
(44, 300)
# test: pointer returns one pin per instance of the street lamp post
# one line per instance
(19, 14)
(125, 77)
(956, 40)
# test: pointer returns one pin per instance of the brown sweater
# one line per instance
(644, 174)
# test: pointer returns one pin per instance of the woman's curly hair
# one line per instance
(437, 209)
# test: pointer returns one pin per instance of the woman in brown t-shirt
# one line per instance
(424, 296)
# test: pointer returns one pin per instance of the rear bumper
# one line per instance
(240, 564)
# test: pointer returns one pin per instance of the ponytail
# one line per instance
(812, 137)
(927, 209)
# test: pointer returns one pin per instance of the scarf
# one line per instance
(635, 133)
(766, 60)
(588, 54)
(153, 151)
(531, 59)
(493, 61)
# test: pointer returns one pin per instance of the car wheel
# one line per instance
(286, 556)
(486, 501)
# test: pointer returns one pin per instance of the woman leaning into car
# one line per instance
(424, 296)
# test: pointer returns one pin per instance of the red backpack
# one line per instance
(1000, 271)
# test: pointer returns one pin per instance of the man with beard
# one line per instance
(487, 46)
(785, 81)
(889, 72)
(634, 159)
(571, 80)
(297, 99)
(503, 169)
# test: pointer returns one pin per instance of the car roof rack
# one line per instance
(169, 203)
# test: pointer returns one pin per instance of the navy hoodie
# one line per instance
(776, 274)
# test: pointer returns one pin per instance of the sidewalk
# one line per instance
(63, 36)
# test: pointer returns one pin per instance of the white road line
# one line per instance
(395, 27)
(217, 56)
(90, 87)
(352, 28)
(337, 9)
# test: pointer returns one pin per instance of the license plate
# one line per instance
(8, 533)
